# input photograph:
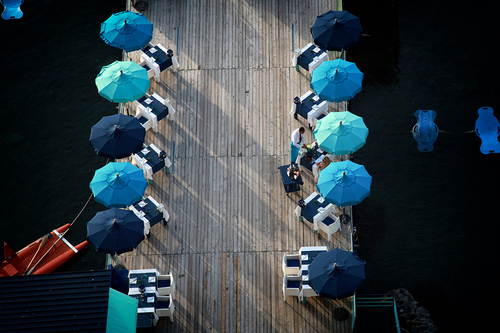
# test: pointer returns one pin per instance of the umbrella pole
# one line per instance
(340, 313)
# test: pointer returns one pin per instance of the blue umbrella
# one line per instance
(122, 81)
(336, 273)
(336, 30)
(115, 231)
(127, 31)
(117, 136)
(341, 133)
(344, 183)
(336, 80)
(118, 184)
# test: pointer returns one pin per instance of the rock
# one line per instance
(412, 316)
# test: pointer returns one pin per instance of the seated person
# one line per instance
(323, 163)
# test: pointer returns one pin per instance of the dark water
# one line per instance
(431, 221)
(49, 102)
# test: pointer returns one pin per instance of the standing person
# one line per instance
(295, 144)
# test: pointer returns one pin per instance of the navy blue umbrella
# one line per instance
(336, 274)
(117, 136)
(115, 231)
(336, 30)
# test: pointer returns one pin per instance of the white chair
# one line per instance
(166, 285)
(291, 286)
(165, 307)
(291, 264)
(330, 225)
(151, 72)
(327, 211)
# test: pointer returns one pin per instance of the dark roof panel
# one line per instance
(59, 302)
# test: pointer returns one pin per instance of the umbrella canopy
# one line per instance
(336, 80)
(117, 136)
(115, 231)
(118, 184)
(344, 183)
(122, 81)
(336, 30)
(336, 273)
(341, 133)
(127, 31)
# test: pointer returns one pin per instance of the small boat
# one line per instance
(40, 257)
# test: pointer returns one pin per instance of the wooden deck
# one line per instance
(230, 220)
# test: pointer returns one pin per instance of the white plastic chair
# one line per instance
(330, 225)
(291, 264)
(291, 286)
(166, 285)
(165, 307)
(151, 72)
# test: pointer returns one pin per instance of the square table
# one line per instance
(308, 158)
(149, 211)
(310, 107)
(151, 160)
(145, 280)
(309, 57)
(153, 107)
(159, 59)
(307, 256)
(316, 209)
(289, 184)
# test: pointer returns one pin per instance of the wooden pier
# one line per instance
(230, 219)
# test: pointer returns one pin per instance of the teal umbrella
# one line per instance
(336, 80)
(341, 133)
(344, 183)
(122, 81)
(127, 31)
(118, 184)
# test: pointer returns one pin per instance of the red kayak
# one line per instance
(41, 256)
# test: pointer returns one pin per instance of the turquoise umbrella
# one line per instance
(118, 184)
(122, 81)
(336, 80)
(341, 133)
(127, 31)
(344, 183)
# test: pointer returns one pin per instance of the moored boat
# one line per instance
(42, 256)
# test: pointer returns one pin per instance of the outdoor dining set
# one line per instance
(120, 185)
(315, 271)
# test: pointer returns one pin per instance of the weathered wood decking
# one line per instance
(230, 220)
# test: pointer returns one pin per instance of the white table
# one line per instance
(149, 58)
(142, 163)
(314, 108)
(307, 256)
(313, 62)
(140, 213)
(321, 212)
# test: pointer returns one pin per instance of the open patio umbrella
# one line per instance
(336, 80)
(340, 133)
(344, 183)
(115, 231)
(118, 184)
(117, 136)
(127, 31)
(336, 30)
(336, 273)
(122, 81)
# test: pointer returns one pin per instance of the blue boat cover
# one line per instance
(487, 129)
(425, 132)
